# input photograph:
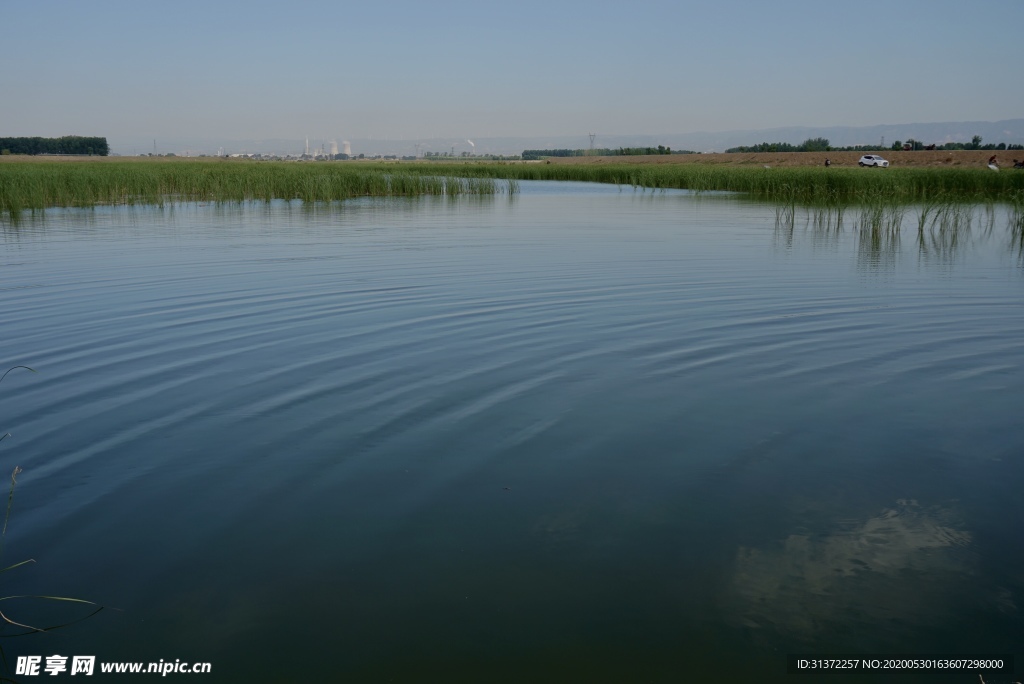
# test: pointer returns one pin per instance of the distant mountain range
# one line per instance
(1008, 131)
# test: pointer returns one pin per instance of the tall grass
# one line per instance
(37, 185)
(804, 185)
(40, 185)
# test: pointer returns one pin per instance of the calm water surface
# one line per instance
(585, 434)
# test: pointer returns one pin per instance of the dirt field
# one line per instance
(957, 158)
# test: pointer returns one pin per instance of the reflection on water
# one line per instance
(856, 572)
(1016, 222)
(878, 247)
(945, 232)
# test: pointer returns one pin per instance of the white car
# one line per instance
(873, 160)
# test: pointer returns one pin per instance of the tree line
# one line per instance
(823, 145)
(975, 144)
(445, 156)
(809, 145)
(69, 144)
(602, 152)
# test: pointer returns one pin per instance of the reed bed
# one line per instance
(800, 185)
(41, 184)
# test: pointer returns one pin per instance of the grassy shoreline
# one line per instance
(39, 184)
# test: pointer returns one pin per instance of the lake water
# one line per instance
(580, 434)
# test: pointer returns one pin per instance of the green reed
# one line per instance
(40, 184)
(803, 185)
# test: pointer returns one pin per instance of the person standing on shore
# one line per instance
(828, 162)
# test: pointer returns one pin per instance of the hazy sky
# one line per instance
(419, 69)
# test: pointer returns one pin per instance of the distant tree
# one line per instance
(815, 145)
(69, 144)
(976, 142)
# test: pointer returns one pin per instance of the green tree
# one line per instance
(815, 145)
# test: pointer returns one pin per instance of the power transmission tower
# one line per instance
(592, 136)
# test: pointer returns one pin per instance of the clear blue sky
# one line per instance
(422, 69)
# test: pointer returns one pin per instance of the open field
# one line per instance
(922, 158)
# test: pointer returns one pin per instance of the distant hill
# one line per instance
(1008, 131)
